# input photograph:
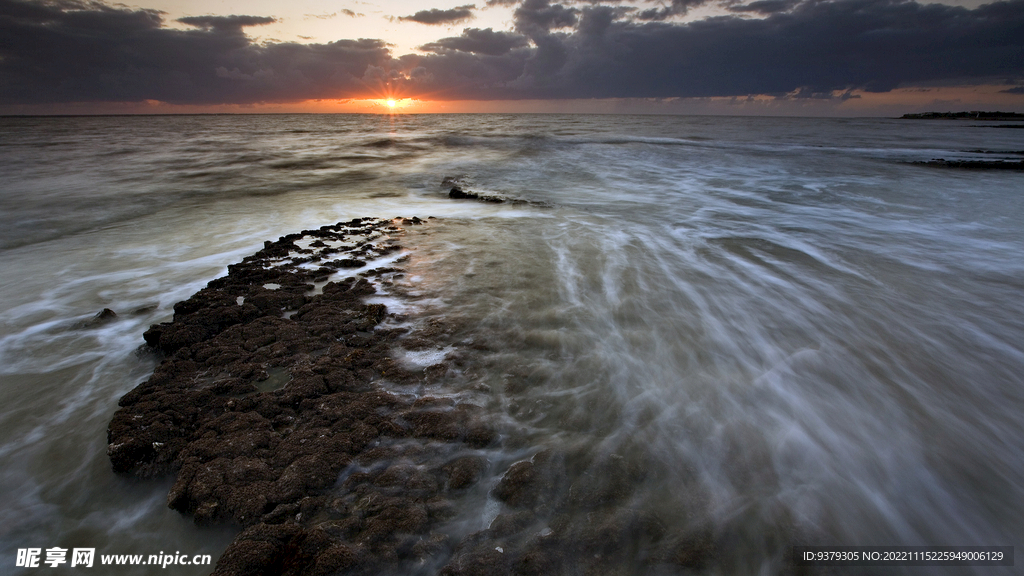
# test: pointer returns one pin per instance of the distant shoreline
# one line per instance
(973, 115)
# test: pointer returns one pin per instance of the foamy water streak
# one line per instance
(813, 340)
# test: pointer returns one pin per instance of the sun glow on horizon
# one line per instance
(395, 105)
(888, 104)
(384, 104)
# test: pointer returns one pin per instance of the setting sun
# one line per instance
(391, 103)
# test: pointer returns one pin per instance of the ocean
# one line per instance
(803, 336)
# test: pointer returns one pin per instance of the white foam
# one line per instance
(424, 358)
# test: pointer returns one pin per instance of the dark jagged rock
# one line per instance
(376, 272)
(346, 263)
(1010, 152)
(972, 115)
(104, 316)
(457, 193)
(519, 486)
(974, 164)
(272, 410)
(465, 471)
(327, 473)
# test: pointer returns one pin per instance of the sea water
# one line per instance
(812, 336)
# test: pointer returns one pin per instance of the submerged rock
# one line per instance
(102, 317)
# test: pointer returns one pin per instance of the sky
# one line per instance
(742, 57)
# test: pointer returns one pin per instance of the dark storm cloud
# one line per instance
(225, 23)
(539, 16)
(808, 94)
(64, 52)
(765, 6)
(677, 7)
(85, 51)
(815, 47)
(1014, 90)
(435, 16)
(479, 41)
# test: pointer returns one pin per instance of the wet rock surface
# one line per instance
(458, 188)
(325, 471)
(276, 408)
(575, 511)
(457, 193)
(101, 318)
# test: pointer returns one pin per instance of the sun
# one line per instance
(390, 104)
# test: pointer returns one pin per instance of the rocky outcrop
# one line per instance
(102, 318)
(269, 411)
(274, 409)
(974, 164)
(457, 193)
(972, 115)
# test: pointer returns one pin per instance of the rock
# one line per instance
(973, 115)
(465, 471)
(694, 550)
(142, 310)
(974, 164)
(518, 487)
(286, 427)
(346, 263)
(270, 461)
(457, 193)
(103, 317)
